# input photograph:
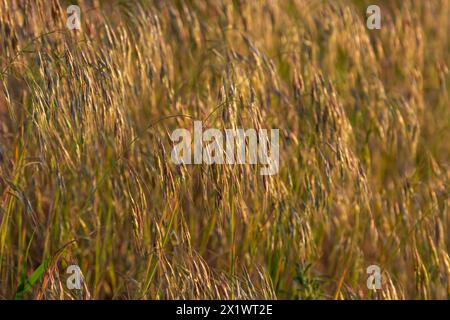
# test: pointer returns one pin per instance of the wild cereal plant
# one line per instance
(88, 187)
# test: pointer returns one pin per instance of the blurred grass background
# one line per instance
(85, 170)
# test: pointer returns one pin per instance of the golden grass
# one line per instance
(85, 170)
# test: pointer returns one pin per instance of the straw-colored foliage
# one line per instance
(86, 176)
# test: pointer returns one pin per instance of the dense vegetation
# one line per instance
(86, 176)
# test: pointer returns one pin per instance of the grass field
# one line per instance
(86, 176)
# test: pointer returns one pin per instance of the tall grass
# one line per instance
(85, 170)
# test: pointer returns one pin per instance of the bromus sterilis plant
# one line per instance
(87, 177)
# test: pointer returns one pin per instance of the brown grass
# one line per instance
(85, 170)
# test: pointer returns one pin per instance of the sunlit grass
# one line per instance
(86, 176)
